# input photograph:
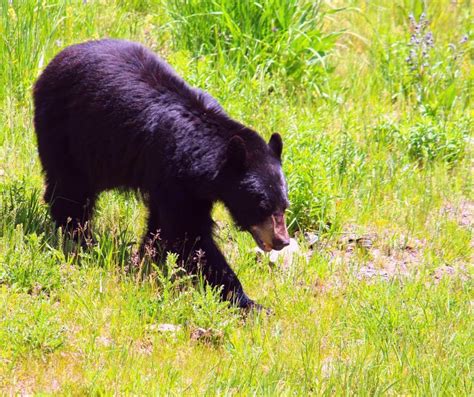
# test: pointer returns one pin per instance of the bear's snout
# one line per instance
(271, 234)
(281, 238)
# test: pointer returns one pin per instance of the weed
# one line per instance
(429, 71)
(30, 328)
(28, 265)
(427, 142)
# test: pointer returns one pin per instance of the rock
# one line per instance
(311, 238)
(104, 341)
(368, 272)
(208, 336)
(284, 257)
(442, 272)
(164, 327)
(365, 242)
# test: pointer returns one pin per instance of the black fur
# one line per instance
(111, 114)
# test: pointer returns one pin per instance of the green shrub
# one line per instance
(20, 205)
(276, 37)
(386, 134)
(30, 327)
(310, 182)
(28, 265)
(427, 142)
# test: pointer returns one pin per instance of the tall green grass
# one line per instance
(279, 39)
(375, 151)
(22, 54)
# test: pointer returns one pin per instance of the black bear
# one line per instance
(112, 114)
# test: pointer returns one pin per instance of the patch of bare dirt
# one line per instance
(447, 271)
(22, 387)
(144, 346)
(381, 256)
(462, 214)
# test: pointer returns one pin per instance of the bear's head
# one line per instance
(254, 189)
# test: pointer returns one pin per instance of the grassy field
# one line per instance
(374, 103)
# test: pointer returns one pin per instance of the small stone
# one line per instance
(164, 327)
(144, 346)
(283, 257)
(104, 341)
(208, 336)
(364, 242)
(311, 238)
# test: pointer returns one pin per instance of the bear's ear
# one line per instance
(236, 153)
(276, 144)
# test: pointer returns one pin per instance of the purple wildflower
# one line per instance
(429, 40)
(421, 41)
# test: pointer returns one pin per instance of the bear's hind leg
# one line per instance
(71, 203)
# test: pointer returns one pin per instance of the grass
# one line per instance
(377, 131)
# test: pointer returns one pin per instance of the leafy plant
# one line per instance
(32, 327)
(20, 205)
(433, 72)
(279, 38)
(38, 273)
(386, 134)
(310, 182)
(428, 142)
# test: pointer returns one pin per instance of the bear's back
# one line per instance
(118, 72)
(114, 107)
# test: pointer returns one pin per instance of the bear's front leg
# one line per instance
(200, 255)
(185, 227)
(207, 259)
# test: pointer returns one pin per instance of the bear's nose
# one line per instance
(279, 243)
